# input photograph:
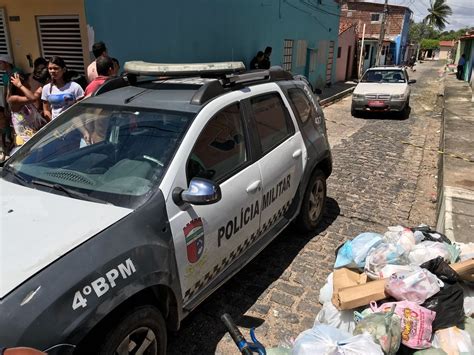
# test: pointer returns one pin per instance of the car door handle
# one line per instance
(297, 153)
(254, 186)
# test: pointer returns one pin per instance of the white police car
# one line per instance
(127, 211)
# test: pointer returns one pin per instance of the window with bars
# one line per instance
(61, 36)
(288, 54)
(4, 42)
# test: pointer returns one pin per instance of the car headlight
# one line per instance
(398, 97)
(358, 97)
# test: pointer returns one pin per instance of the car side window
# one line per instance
(221, 148)
(272, 120)
(304, 108)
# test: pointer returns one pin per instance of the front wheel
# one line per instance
(355, 113)
(314, 200)
(141, 331)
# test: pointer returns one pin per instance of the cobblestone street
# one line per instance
(379, 179)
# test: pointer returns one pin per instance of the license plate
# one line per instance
(376, 103)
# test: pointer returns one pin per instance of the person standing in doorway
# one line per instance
(99, 49)
(257, 61)
(266, 58)
(61, 92)
(460, 68)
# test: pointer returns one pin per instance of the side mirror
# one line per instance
(411, 81)
(200, 192)
(318, 91)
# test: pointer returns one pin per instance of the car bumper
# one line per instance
(388, 105)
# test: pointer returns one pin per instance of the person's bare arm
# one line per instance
(31, 96)
(47, 111)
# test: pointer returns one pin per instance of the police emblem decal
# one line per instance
(194, 235)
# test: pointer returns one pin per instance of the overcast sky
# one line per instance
(463, 11)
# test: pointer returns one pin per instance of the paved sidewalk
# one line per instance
(456, 215)
(336, 92)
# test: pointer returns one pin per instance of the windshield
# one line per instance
(108, 153)
(384, 76)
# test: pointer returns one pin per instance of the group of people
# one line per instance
(261, 60)
(32, 100)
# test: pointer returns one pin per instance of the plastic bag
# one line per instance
(428, 250)
(448, 305)
(468, 298)
(401, 236)
(352, 253)
(415, 322)
(383, 254)
(330, 315)
(415, 285)
(389, 270)
(448, 302)
(466, 249)
(454, 341)
(326, 340)
(430, 234)
(325, 294)
(385, 330)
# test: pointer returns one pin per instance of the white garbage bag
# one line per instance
(326, 340)
(325, 294)
(330, 315)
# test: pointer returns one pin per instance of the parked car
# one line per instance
(124, 213)
(382, 89)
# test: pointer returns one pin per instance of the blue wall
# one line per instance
(211, 30)
(402, 39)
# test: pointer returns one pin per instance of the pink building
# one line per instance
(345, 51)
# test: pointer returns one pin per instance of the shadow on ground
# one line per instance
(202, 330)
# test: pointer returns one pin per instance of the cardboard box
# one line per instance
(351, 289)
(465, 269)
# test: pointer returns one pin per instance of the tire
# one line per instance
(314, 201)
(405, 113)
(355, 113)
(141, 325)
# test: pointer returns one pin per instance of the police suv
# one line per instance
(123, 214)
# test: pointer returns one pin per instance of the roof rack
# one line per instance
(227, 75)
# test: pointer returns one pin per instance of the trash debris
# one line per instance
(330, 315)
(431, 279)
(453, 341)
(382, 255)
(385, 329)
(352, 253)
(416, 322)
(324, 339)
(415, 285)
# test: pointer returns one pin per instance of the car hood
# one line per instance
(38, 227)
(380, 88)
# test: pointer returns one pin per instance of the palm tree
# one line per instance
(438, 12)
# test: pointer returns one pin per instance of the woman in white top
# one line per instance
(61, 93)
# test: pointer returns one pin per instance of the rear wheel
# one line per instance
(141, 331)
(314, 200)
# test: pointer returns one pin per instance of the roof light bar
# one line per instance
(189, 69)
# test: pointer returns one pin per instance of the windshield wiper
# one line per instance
(15, 174)
(69, 192)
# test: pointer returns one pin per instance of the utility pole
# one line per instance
(361, 55)
(382, 33)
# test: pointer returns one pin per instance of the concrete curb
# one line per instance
(329, 100)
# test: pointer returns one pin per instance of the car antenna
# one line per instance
(129, 99)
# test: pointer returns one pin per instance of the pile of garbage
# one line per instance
(409, 291)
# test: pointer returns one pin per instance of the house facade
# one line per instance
(466, 47)
(346, 49)
(31, 28)
(446, 49)
(303, 35)
(395, 41)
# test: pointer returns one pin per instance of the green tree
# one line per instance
(429, 44)
(421, 30)
(439, 11)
